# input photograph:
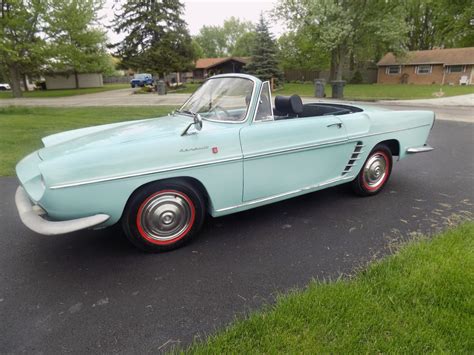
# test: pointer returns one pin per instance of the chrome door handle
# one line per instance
(339, 125)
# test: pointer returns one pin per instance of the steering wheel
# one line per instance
(220, 108)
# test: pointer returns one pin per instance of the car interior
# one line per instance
(292, 107)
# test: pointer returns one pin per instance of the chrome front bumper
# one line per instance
(31, 216)
(422, 149)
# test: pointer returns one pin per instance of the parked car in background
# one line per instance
(141, 80)
(4, 87)
(228, 149)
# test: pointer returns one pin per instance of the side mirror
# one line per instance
(197, 123)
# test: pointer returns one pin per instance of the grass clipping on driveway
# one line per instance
(419, 300)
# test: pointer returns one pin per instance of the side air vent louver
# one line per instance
(354, 157)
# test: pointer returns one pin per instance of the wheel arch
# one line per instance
(393, 145)
(186, 179)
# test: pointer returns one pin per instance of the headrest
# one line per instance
(289, 105)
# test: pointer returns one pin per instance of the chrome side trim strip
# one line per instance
(317, 145)
(425, 148)
(295, 149)
(251, 156)
(273, 197)
(142, 173)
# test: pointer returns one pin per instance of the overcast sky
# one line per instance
(211, 12)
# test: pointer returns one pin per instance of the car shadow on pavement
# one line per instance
(222, 230)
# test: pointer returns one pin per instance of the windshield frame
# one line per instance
(252, 100)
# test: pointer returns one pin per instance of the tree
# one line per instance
(225, 40)
(212, 41)
(157, 38)
(234, 29)
(78, 45)
(198, 51)
(420, 20)
(22, 50)
(360, 29)
(298, 51)
(244, 45)
(264, 63)
(440, 23)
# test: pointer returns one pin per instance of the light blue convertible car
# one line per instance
(229, 148)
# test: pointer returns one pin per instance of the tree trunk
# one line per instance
(25, 83)
(339, 62)
(332, 70)
(15, 79)
(76, 77)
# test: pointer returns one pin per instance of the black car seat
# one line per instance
(288, 106)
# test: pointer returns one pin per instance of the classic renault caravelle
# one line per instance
(229, 148)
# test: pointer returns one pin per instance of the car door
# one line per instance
(282, 156)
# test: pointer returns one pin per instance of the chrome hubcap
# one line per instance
(165, 216)
(375, 170)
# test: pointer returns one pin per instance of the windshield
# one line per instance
(221, 99)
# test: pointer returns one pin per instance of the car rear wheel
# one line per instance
(163, 216)
(375, 173)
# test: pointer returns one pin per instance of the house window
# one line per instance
(393, 70)
(424, 69)
(455, 68)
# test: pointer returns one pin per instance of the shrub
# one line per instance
(357, 78)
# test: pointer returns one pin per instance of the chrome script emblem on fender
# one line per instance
(185, 150)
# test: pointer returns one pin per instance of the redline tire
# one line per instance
(375, 172)
(163, 216)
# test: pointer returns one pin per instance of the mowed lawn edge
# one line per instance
(365, 92)
(65, 92)
(21, 128)
(372, 92)
(418, 300)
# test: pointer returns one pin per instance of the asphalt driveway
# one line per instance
(91, 292)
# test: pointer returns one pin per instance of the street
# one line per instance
(92, 292)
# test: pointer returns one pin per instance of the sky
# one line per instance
(209, 12)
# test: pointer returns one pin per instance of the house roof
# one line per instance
(206, 63)
(451, 56)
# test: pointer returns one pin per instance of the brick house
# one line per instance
(436, 66)
(206, 67)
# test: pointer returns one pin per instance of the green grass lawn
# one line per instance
(420, 300)
(365, 91)
(65, 92)
(380, 91)
(188, 88)
(21, 129)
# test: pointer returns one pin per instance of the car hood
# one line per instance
(93, 138)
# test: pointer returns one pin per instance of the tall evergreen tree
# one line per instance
(157, 38)
(264, 63)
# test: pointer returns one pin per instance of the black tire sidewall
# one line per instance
(131, 210)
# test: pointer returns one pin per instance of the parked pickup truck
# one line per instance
(141, 80)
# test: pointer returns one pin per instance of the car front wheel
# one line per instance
(162, 216)
(375, 172)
